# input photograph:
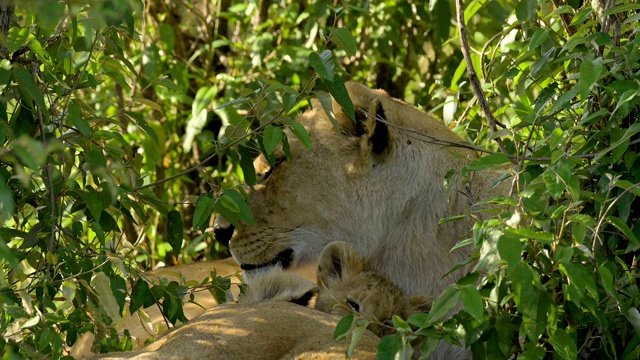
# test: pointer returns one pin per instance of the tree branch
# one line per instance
(473, 77)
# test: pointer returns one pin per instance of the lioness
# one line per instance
(375, 182)
(372, 183)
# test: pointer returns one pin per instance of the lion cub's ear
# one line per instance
(337, 260)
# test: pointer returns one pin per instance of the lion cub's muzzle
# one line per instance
(283, 259)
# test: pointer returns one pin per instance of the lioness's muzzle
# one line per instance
(283, 259)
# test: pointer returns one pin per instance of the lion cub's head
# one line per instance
(348, 285)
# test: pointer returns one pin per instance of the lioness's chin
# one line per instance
(282, 260)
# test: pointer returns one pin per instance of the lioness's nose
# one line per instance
(223, 231)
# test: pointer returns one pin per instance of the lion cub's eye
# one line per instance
(353, 305)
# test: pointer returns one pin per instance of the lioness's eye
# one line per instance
(353, 305)
(272, 168)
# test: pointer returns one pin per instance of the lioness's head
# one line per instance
(371, 182)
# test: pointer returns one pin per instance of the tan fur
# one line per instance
(266, 330)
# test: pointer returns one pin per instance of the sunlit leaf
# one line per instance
(203, 211)
(271, 137)
(102, 285)
(175, 230)
(589, 73)
(472, 301)
(345, 40)
(343, 327)
(302, 134)
(323, 64)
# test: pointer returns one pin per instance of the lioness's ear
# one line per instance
(371, 127)
(420, 303)
(338, 259)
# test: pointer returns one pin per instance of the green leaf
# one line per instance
(538, 37)
(271, 137)
(246, 163)
(563, 99)
(356, 334)
(343, 327)
(327, 106)
(302, 135)
(444, 303)
(203, 211)
(488, 162)
(470, 10)
(621, 8)
(442, 18)
(339, 92)
(29, 92)
(96, 202)
(323, 64)
(563, 344)
(510, 249)
(74, 114)
(168, 84)
(9, 255)
(139, 295)
(555, 138)
(628, 185)
(581, 16)
(102, 285)
(228, 202)
(388, 347)
(624, 98)
(244, 211)
(553, 184)
(589, 73)
(472, 301)
(624, 228)
(344, 39)
(535, 312)
(175, 231)
(17, 38)
(634, 319)
(606, 278)
(526, 10)
(31, 322)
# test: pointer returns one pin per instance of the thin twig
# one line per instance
(52, 198)
(421, 136)
(473, 77)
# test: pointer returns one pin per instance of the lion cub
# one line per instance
(346, 284)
